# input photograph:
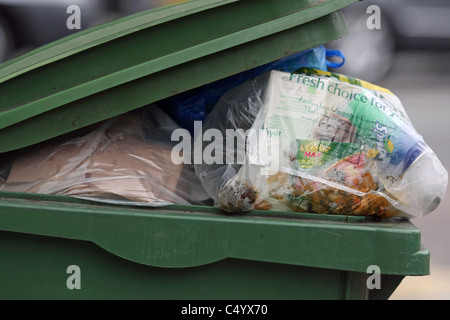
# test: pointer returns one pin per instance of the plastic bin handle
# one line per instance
(331, 53)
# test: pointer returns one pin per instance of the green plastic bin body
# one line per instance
(197, 252)
(54, 247)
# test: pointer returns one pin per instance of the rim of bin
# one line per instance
(179, 236)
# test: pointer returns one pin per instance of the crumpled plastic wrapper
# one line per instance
(318, 142)
(125, 160)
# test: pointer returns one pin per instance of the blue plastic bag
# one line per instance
(194, 105)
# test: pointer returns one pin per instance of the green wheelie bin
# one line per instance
(61, 247)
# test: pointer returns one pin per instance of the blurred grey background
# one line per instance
(409, 55)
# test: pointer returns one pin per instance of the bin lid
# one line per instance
(108, 70)
(186, 236)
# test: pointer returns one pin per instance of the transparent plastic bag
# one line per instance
(321, 143)
(124, 160)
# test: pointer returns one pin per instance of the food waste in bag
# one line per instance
(319, 142)
(124, 160)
